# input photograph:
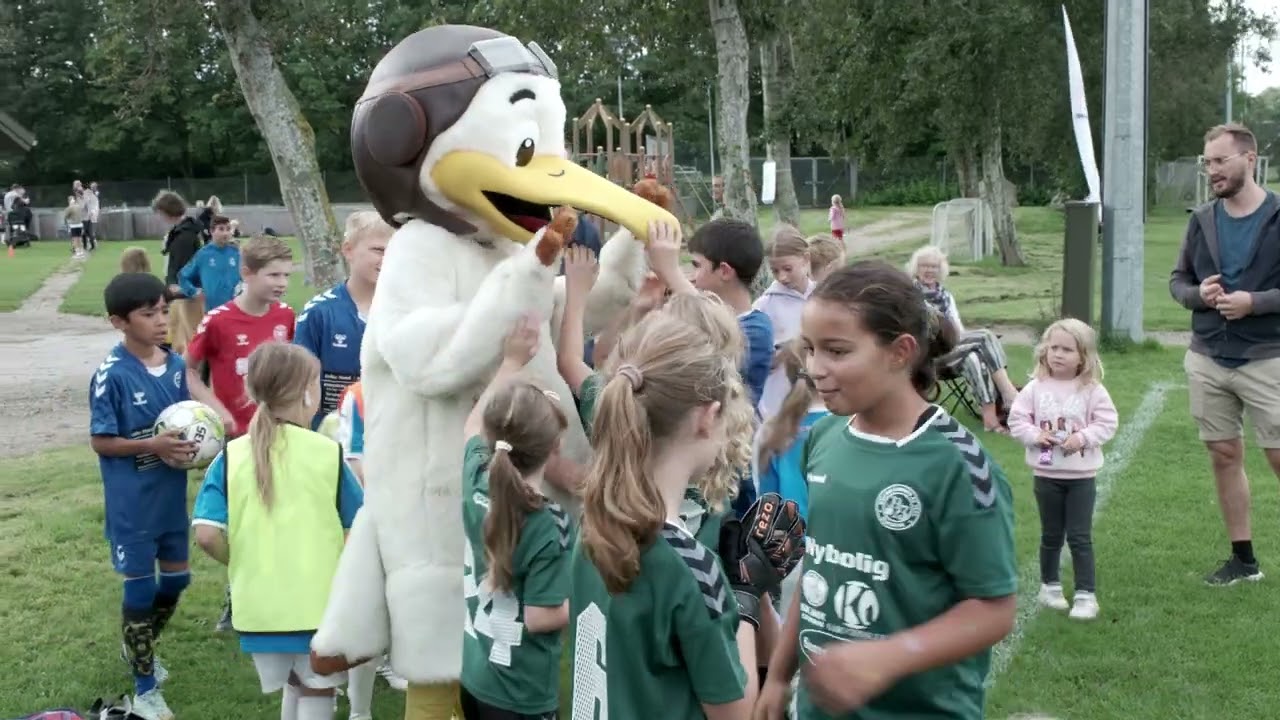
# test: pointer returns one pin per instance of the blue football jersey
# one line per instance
(143, 496)
(330, 327)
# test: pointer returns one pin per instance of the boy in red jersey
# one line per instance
(229, 332)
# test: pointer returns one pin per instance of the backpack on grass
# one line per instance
(119, 709)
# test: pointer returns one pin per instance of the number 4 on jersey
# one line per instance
(496, 614)
(590, 683)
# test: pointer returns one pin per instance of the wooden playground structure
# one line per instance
(644, 147)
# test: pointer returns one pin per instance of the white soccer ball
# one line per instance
(198, 423)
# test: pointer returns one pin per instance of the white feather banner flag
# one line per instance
(1080, 113)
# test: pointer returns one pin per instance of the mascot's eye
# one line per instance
(525, 154)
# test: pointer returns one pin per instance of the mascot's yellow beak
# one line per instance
(518, 201)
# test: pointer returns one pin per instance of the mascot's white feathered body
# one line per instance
(473, 123)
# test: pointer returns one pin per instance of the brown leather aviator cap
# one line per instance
(417, 91)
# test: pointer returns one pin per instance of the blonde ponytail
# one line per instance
(664, 368)
(523, 426)
(278, 379)
(263, 429)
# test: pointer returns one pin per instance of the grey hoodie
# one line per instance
(1254, 337)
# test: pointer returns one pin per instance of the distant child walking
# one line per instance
(73, 216)
(835, 216)
(1063, 417)
(274, 508)
(145, 495)
(517, 546)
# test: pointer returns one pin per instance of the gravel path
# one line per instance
(46, 359)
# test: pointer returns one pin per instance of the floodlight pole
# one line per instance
(1124, 167)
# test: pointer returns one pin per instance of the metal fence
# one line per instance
(816, 180)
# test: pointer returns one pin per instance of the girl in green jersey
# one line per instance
(909, 576)
(516, 558)
(659, 629)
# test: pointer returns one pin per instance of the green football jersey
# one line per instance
(662, 648)
(503, 664)
(898, 533)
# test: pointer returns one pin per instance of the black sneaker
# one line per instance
(1233, 571)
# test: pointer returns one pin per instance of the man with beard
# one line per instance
(1228, 276)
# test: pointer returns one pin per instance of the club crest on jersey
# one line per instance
(340, 340)
(281, 333)
(177, 378)
(814, 588)
(898, 507)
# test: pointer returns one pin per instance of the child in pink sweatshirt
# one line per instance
(1063, 417)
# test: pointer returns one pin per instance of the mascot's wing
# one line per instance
(356, 624)
(622, 264)
(442, 349)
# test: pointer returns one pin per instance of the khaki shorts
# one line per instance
(1221, 396)
(184, 317)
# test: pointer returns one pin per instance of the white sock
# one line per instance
(360, 688)
(316, 707)
(289, 703)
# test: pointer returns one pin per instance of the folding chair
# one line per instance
(952, 391)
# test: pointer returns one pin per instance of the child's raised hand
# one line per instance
(663, 249)
(522, 342)
(651, 293)
(580, 270)
(172, 449)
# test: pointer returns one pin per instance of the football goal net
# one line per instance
(963, 229)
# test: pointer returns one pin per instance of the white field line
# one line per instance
(1120, 452)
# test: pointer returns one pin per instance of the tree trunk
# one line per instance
(995, 191)
(732, 56)
(733, 59)
(289, 138)
(968, 171)
(775, 86)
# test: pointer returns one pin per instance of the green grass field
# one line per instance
(23, 273)
(85, 297)
(1165, 646)
(987, 292)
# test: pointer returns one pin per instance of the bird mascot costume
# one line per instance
(459, 142)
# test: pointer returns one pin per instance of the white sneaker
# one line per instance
(395, 681)
(1085, 606)
(1051, 597)
(151, 706)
